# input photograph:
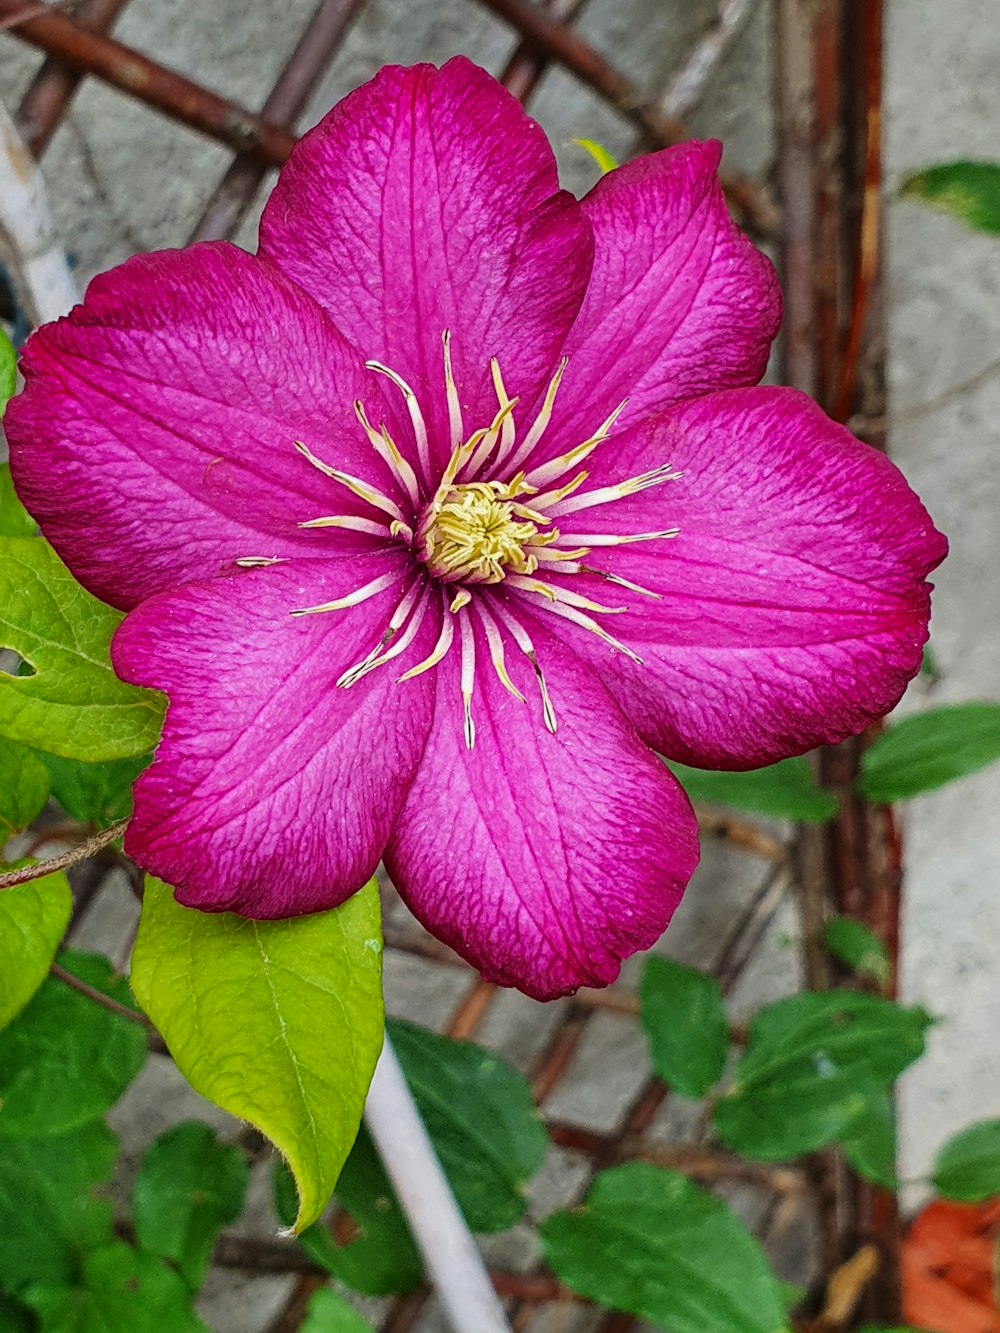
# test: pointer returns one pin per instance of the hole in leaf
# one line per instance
(13, 664)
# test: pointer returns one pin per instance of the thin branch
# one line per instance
(81, 852)
(688, 86)
(156, 1042)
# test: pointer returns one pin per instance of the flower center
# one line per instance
(479, 531)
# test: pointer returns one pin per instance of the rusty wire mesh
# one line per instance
(756, 886)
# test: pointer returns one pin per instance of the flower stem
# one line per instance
(81, 852)
(453, 1261)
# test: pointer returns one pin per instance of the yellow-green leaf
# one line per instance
(68, 701)
(278, 1022)
(599, 153)
(33, 919)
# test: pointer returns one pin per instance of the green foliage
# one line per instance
(15, 521)
(854, 945)
(65, 1060)
(382, 1259)
(870, 1143)
(651, 1243)
(277, 1022)
(8, 370)
(929, 749)
(330, 1313)
(24, 788)
(685, 1022)
(117, 1288)
(599, 153)
(33, 920)
(49, 1214)
(482, 1119)
(98, 794)
(969, 191)
(189, 1187)
(71, 703)
(967, 1168)
(815, 1066)
(786, 790)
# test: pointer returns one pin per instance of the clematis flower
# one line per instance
(439, 515)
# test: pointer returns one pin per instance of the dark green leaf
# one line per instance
(98, 794)
(33, 920)
(482, 1119)
(382, 1259)
(813, 1067)
(65, 1060)
(330, 1313)
(651, 1243)
(48, 1211)
(929, 749)
(70, 702)
(119, 1288)
(785, 790)
(854, 945)
(969, 191)
(685, 1022)
(24, 788)
(928, 663)
(8, 370)
(870, 1143)
(15, 521)
(15, 1317)
(968, 1166)
(189, 1187)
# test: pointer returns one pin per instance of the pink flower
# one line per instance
(442, 512)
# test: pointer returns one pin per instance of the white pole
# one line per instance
(454, 1263)
(42, 278)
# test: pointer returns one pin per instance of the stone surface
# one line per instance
(944, 312)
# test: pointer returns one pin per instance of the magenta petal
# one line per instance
(154, 439)
(543, 859)
(792, 605)
(679, 304)
(273, 792)
(427, 200)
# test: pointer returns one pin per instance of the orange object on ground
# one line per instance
(950, 1268)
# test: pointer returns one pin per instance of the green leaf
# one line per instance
(599, 153)
(786, 790)
(651, 1243)
(929, 749)
(482, 1119)
(65, 1060)
(71, 703)
(33, 920)
(98, 794)
(870, 1143)
(686, 1024)
(382, 1259)
(24, 788)
(277, 1022)
(48, 1210)
(8, 370)
(15, 1317)
(330, 1313)
(189, 1187)
(967, 1168)
(854, 945)
(969, 191)
(15, 521)
(814, 1066)
(119, 1288)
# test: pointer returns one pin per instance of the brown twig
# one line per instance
(81, 852)
(156, 1042)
